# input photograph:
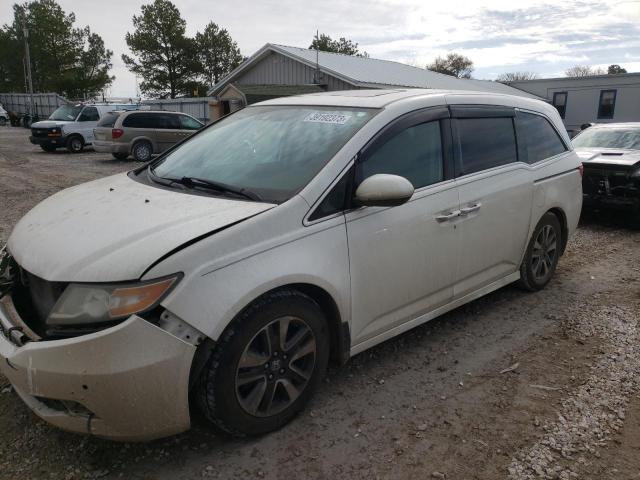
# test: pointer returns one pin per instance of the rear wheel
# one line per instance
(120, 156)
(48, 148)
(75, 144)
(266, 366)
(3, 121)
(142, 151)
(542, 255)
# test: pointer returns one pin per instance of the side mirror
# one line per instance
(382, 190)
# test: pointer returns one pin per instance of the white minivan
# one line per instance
(229, 271)
(71, 126)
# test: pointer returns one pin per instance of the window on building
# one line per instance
(560, 102)
(485, 143)
(538, 137)
(607, 103)
(414, 153)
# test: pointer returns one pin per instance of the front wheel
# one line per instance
(266, 365)
(542, 255)
(75, 144)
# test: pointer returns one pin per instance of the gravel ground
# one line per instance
(514, 385)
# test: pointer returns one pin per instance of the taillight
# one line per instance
(116, 132)
(581, 170)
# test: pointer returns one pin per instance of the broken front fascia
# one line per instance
(128, 382)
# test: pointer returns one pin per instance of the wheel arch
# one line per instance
(562, 218)
(150, 141)
(339, 331)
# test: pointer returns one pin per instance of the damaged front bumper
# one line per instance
(128, 382)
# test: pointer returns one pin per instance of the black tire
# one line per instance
(542, 255)
(48, 148)
(75, 144)
(3, 121)
(120, 156)
(219, 391)
(142, 151)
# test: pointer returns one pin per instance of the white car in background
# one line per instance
(71, 126)
(229, 271)
(4, 116)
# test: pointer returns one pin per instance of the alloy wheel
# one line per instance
(143, 152)
(544, 253)
(275, 367)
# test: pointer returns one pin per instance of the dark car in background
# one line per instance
(611, 158)
(142, 133)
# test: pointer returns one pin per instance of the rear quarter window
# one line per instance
(538, 137)
(108, 120)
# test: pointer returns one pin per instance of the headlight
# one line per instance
(96, 303)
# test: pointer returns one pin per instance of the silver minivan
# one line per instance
(142, 134)
(227, 273)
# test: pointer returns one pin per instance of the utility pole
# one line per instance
(28, 64)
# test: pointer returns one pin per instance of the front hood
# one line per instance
(114, 228)
(50, 124)
(609, 156)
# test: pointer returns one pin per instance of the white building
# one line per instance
(581, 100)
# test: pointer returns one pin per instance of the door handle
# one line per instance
(470, 209)
(445, 217)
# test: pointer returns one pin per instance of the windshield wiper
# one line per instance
(195, 182)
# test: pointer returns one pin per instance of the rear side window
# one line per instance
(539, 139)
(188, 123)
(141, 120)
(414, 153)
(89, 114)
(168, 121)
(109, 120)
(485, 143)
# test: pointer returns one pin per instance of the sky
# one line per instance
(498, 36)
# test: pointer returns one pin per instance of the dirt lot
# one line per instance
(431, 403)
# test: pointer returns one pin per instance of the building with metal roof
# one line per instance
(280, 70)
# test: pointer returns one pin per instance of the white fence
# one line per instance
(44, 103)
(197, 107)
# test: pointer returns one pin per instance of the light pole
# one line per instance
(28, 65)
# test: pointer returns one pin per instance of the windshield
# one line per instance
(66, 112)
(608, 138)
(270, 151)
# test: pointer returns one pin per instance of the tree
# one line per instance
(615, 69)
(516, 76)
(325, 43)
(166, 58)
(62, 57)
(453, 64)
(217, 53)
(583, 71)
(91, 74)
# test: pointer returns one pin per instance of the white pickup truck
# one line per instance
(71, 126)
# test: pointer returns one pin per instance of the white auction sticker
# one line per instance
(327, 117)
